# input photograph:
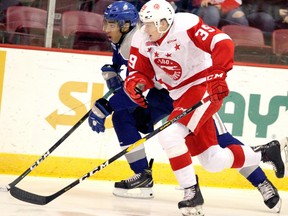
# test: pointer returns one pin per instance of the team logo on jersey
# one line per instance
(170, 67)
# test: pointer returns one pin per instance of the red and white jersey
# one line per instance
(183, 56)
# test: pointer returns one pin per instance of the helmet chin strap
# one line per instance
(163, 32)
(158, 25)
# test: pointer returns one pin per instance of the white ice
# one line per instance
(94, 198)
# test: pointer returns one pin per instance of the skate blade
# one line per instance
(192, 211)
(137, 193)
(277, 207)
(284, 148)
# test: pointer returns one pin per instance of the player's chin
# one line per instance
(113, 40)
(151, 38)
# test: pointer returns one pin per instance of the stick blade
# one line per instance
(26, 196)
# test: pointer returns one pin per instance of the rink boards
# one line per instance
(44, 93)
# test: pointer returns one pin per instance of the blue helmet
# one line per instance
(122, 12)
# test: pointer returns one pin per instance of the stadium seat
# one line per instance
(83, 30)
(26, 25)
(280, 46)
(60, 7)
(249, 44)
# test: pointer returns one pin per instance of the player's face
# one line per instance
(112, 30)
(151, 30)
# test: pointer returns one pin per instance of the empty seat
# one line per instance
(83, 30)
(280, 45)
(26, 25)
(60, 7)
(249, 44)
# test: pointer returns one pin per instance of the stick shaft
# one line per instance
(43, 200)
(47, 153)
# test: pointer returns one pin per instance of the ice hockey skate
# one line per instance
(191, 205)
(270, 195)
(271, 153)
(284, 150)
(138, 186)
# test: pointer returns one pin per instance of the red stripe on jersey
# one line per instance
(239, 156)
(181, 161)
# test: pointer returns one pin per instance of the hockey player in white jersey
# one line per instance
(191, 60)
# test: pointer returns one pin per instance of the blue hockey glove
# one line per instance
(98, 114)
(112, 78)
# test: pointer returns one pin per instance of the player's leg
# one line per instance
(135, 121)
(253, 174)
(214, 159)
(139, 185)
(172, 140)
(256, 176)
(160, 104)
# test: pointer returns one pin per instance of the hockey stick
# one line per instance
(26, 196)
(46, 154)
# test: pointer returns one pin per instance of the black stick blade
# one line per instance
(28, 197)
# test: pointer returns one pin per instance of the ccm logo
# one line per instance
(215, 76)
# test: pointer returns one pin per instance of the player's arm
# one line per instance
(102, 108)
(140, 77)
(111, 74)
(221, 48)
(213, 41)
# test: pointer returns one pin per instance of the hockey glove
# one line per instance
(134, 85)
(98, 114)
(217, 87)
(112, 78)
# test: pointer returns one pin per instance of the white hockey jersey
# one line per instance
(183, 56)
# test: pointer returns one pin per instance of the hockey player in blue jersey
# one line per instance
(129, 119)
(120, 20)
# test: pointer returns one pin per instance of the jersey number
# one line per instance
(204, 32)
(132, 61)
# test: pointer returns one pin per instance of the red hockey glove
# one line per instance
(216, 85)
(134, 85)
